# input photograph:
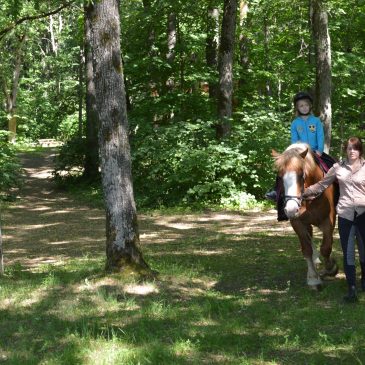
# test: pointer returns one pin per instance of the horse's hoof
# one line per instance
(332, 272)
(317, 287)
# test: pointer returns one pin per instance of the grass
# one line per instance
(219, 299)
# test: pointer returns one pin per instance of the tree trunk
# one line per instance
(171, 37)
(225, 68)
(81, 89)
(322, 104)
(10, 97)
(243, 41)
(1, 253)
(91, 168)
(267, 55)
(122, 237)
(211, 48)
(171, 46)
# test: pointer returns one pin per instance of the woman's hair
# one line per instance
(355, 142)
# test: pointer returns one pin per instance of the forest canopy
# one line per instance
(170, 54)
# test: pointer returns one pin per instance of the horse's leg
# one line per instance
(315, 253)
(304, 233)
(330, 265)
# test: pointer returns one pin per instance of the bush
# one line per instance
(70, 161)
(184, 163)
(10, 168)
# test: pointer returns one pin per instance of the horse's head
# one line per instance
(292, 166)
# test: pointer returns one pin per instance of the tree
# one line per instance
(323, 69)
(211, 47)
(225, 67)
(122, 237)
(91, 168)
(12, 92)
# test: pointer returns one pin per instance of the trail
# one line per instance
(47, 226)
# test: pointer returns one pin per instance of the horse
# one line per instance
(298, 170)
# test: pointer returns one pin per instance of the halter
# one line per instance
(296, 198)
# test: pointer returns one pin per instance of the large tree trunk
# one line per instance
(122, 237)
(323, 69)
(211, 47)
(91, 168)
(225, 68)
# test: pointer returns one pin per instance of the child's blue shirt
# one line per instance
(308, 131)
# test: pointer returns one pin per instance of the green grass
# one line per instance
(218, 299)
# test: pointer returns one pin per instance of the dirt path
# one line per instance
(48, 226)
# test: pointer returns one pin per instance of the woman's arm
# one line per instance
(318, 188)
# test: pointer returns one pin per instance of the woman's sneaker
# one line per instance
(351, 296)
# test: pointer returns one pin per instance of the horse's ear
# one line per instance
(274, 153)
(304, 153)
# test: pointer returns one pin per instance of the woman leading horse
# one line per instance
(297, 168)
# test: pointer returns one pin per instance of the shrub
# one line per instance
(10, 168)
(70, 161)
(184, 163)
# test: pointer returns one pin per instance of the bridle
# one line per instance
(296, 198)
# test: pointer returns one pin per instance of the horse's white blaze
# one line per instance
(313, 277)
(291, 188)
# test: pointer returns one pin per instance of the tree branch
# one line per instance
(6, 30)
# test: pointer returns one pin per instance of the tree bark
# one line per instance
(171, 46)
(322, 104)
(211, 48)
(122, 237)
(171, 37)
(11, 96)
(81, 89)
(225, 67)
(243, 41)
(91, 168)
(1, 253)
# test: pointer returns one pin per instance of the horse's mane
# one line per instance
(291, 157)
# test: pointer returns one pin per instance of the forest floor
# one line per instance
(231, 288)
(48, 226)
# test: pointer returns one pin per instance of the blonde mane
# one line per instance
(291, 158)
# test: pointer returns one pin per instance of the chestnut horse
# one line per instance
(298, 169)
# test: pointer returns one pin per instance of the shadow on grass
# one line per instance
(231, 290)
(221, 299)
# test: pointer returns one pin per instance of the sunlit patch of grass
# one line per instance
(247, 304)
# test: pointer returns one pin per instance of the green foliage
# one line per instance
(70, 160)
(10, 169)
(183, 162)
(171, 116)
(68, 127)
